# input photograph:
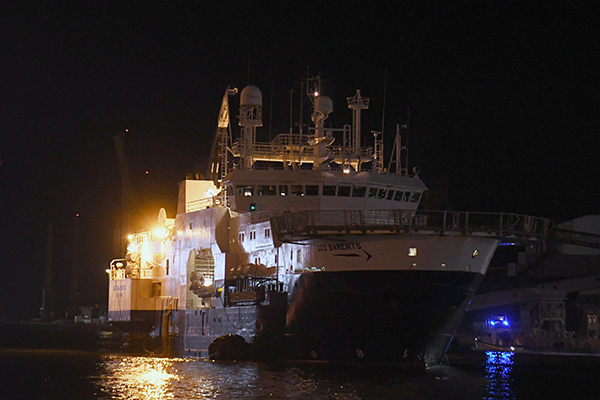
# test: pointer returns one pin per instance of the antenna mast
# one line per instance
(357, 104)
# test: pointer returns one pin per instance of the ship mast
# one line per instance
(250, 119)
(322, 107)
(357, 104)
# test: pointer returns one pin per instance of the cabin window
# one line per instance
(312, 190)
(328, 190)
(406, 196)
(344, 191)
(414, 198)
(390, 195)
(245, 190)
(372, 193)
(266, 190)
(283, 190)
(359, 191)
(268, 232)
(297, 190)
(299, 255)
(398, 196)
(381, 193)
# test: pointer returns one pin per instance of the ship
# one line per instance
(306, 247)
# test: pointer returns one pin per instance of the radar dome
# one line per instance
(324, 105)
(251, 96)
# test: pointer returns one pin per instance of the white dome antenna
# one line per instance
(250, 118)
(251, 106)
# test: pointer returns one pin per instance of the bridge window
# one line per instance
(414, 198)
(359, 191)
(297, 190)
(344, 191)
(372, 193)
(283, 190)
(398, 196)
(266, 190)
(245, 190)
(406, 196)
(390, 195)
(381, 193)
(328, 190)
(312, 190)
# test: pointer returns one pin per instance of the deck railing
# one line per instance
(501, 225)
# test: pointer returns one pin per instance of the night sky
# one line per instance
(503, 100)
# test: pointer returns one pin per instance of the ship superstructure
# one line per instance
(308, 248)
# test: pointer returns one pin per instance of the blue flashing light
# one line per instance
(497, 321)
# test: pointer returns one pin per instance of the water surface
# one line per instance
(60, 374)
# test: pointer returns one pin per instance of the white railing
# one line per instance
(407, 221)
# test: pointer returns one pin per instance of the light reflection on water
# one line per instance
(498, 368)
(72, 375)
(127, 378)
(163, 378)
(138, 377)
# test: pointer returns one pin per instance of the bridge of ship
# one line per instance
(503, 226)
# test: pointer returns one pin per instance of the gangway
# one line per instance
(565, 236)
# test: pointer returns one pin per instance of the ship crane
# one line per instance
(219, 163)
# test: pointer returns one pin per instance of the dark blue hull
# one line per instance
(377, 316)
